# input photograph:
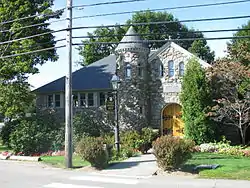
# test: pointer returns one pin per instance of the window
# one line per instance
(83, 99)
(140, 70)
(57, 101)
(128, 71)
(141, 110)
(50, 101)
(181, 69)
(75, 100)
(170, 68)
(90, 99)
(102, 99)
(161, 70)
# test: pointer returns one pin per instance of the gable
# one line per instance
(172, 51)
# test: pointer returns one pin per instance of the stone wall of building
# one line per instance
(164, 89)
(133, 92)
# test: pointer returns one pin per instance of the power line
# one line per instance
(34, 51)
(163, 22)
(163, 9)
(80, 7)
(164, 33)
(40, 44)
(167, 40)
(57, 12)
(33, 25)
(32, 36)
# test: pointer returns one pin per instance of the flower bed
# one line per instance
(223, 147)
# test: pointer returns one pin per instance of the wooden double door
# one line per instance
(172, 123)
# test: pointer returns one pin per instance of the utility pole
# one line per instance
(68, 91)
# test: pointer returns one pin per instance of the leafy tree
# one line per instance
(14, 70)
(15, 98)
(202, 50)
(94, 52)
(230, 83)
(195, 97)
(239, 49)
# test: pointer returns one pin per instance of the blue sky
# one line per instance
(54, 70)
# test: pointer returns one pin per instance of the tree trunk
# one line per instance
(242, 132)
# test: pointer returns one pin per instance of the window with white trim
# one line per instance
(128, 71)
(83, 99)
(171, 68)
(50, 101)
(161, 70)
(75, 100)
(57, 100)
(181, 68)
(102, 98)
(90, 99)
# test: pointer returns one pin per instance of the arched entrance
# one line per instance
(172, 123)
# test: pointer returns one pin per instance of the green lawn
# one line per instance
(230, 167)
(58, 161)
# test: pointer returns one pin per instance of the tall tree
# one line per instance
(174, 30)
(202, 50)
(195, 97)
(14, 70)
(230, 84)
(239, 49)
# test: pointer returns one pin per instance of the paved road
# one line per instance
(34, 175)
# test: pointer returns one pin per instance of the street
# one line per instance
(36, 175)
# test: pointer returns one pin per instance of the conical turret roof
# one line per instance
(133, 40)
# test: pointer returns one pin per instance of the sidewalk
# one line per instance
(140, 167)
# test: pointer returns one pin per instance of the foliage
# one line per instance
(94, 52)
(138, 140)
(35, 134)
(172, 152)
(91, 123)
(15, 98)
(92, 150)
(239, 49)
(230, 83)
(15, 94)
(6, 131)
(195, 97)
(202, 50)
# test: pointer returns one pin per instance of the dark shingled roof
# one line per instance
(95, 76)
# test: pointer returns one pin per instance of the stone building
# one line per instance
(149, 89)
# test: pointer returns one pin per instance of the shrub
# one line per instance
(90, 123)
(148, 135)
(6, 131)
(92, 150)
(130, 139)
(171, 152)
(36, 134)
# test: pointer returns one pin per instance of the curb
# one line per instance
(3, 157)
(25, 158)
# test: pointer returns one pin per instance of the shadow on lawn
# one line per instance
(191, 168)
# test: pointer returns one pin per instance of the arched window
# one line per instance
(171, 68)
(181, 68)
(161, 70)
(128, 71)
